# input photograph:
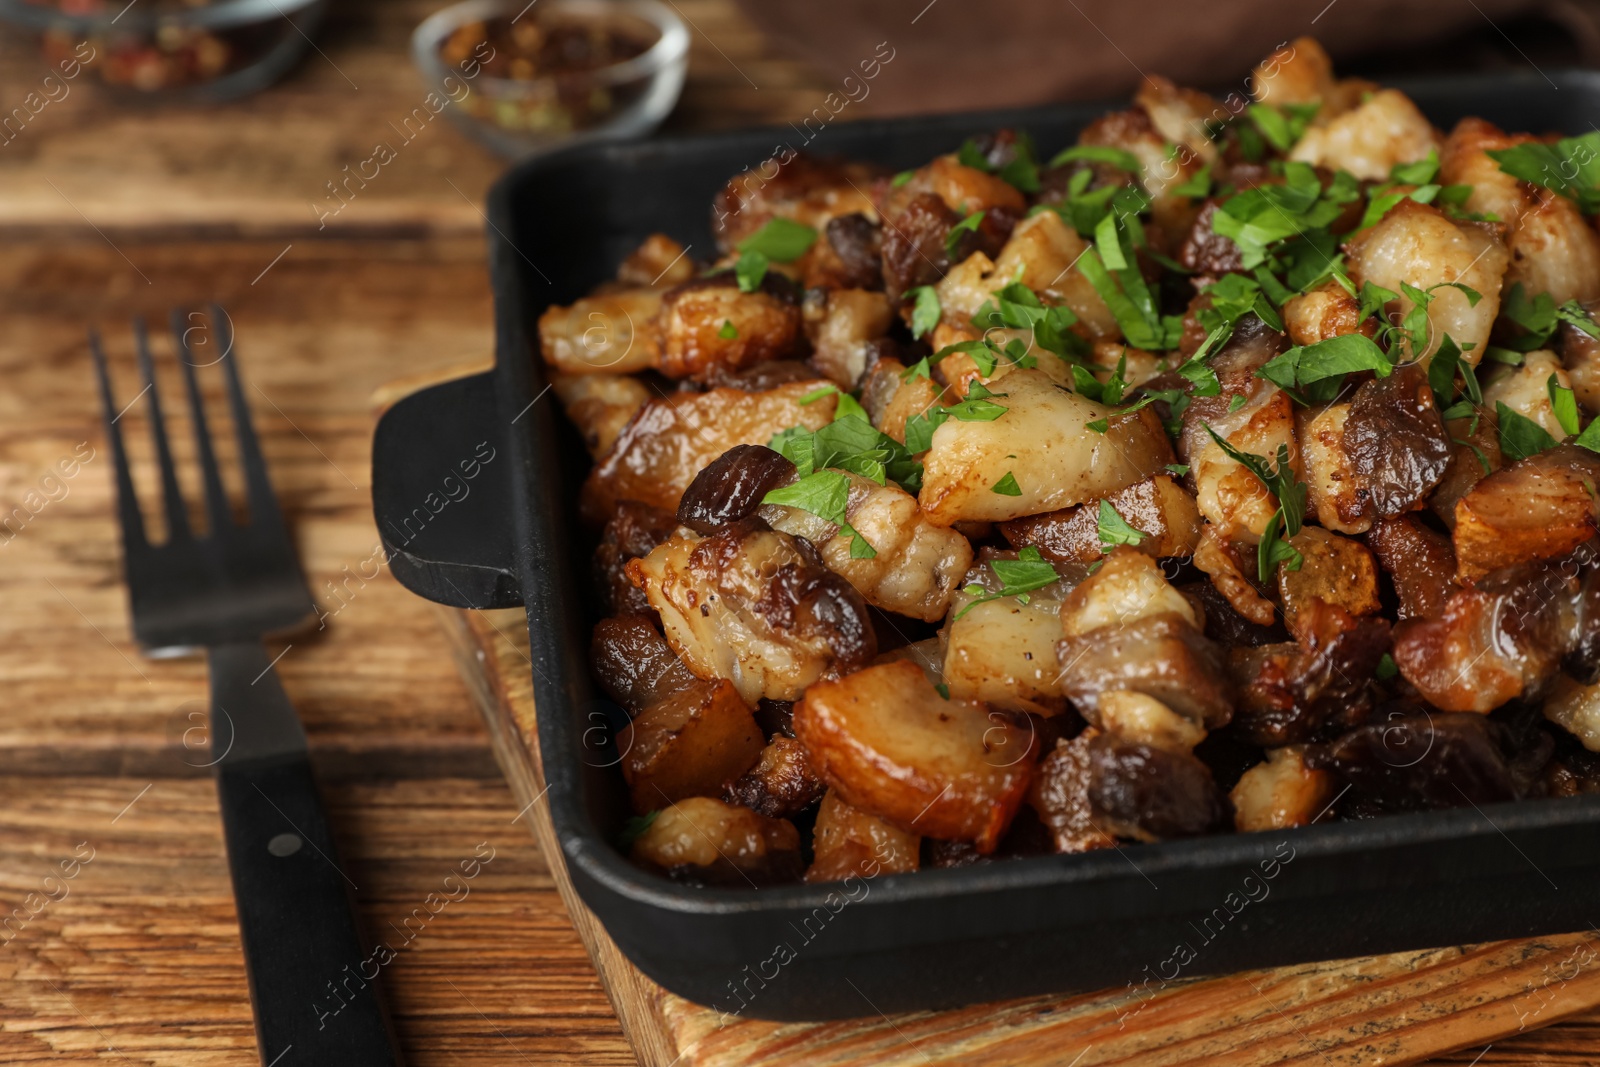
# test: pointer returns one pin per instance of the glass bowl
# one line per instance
(618, 69)
(170, 50)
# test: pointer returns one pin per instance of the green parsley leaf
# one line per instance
(1131, 302)
(1564, 403)
(634, 829)
(750, 270)
(1279, 479)
(1095, 153)
(1018, 577)
(1520, 436)
(1570, 167)
(1589, 438)
(920, 427)
(900, 179)
(1282, 127)
(925, 312)
(1420, 172)
(1115, 530)
(1239, 400)
(729, 331)
(860, 548)
(1380, 204)
(977, 407)
(823, 493)
(942, 689)
(1273, 550)
(1197, 187)
(1387, 668)
(1335, 357)
(1007, 486)
(953, 238)
(781, 240)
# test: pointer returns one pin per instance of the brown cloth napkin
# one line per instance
(959, 55)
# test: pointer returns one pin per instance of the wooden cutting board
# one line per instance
(1394, 1009)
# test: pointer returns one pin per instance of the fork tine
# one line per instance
(127, 503)
(263, 502)
(218, 515)
(171, 497)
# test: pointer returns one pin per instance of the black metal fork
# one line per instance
(312, 986)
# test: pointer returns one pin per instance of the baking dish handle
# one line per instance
(441, 495)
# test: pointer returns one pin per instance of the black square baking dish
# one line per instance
(474, 487)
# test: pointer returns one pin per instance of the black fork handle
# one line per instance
(313, 985)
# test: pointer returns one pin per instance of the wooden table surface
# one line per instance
(108, 211)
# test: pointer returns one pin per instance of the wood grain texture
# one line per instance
(139, 953)
(338, 320)
(1393, 1009)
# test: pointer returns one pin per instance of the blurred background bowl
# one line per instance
(167, 51)
(525, 78)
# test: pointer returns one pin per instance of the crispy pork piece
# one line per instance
(1313, 688)
(1420, 561)
(607, 333)
(1337, 494)
(1003, 651)
(709, 327)
(850, 842)
(704, 841)
(631, 532)
(846, 328)
(599, 405)
(781, 783)
(691, 744)
(1537, 508)
(672, 438)
(1280, 792)
(1042, 441)
(756, 607)
(1424, 248)
(1499, 639)
(1157, 507)
(890, 744)
(1334, 570)
(1370, 139)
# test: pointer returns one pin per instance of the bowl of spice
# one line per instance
(171, 50)
(529, 77)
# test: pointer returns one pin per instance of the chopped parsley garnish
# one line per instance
(1570, 167)
(1197, 187)
(1520, 436)
(1387, 668)
(1007, 486)
(825, 494)
(1564, 403)
(1419, 172)
(729, 331)
(953, 238)
(1017, 307)
(1083, 208)
(1305, 366)
(781, 240)
(1108, 392)
(634, 829)
(1257, 220)
(925, 310)
(1443, 368)
(1540, 317)
(977, 407)
(900, 179)
(1021, 172)
(1274, 550)
(1018, 577)
(1097, 153)
(1179, 469)
(1279, 480)
(1282, 127)
(1381, 203)
(1111, 267)
(1115, 530)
